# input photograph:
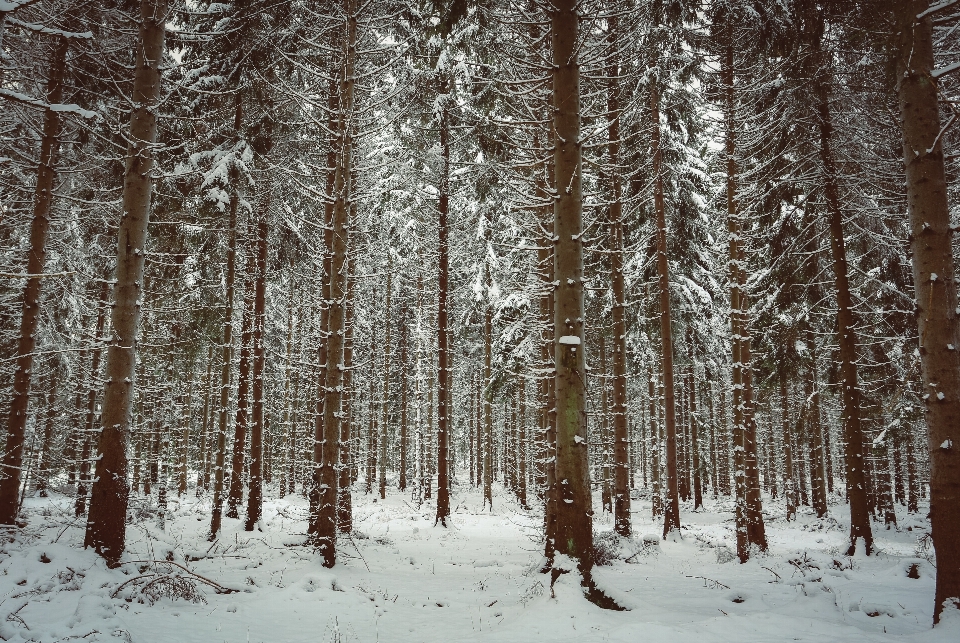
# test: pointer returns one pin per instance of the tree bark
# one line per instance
(238, 461)
(385, 402)
(846, 332)
(671, 514)
(789, 491)
(935, 286)
(347, 463)
(574, 534)
(226, 360)
(255, 496)
(656, 501)
(107, 518)
(444, 361)
(30, 317)
(83, 478)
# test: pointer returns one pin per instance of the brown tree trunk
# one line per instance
(621, 464)
(671, 514)
(846, 334)
(522, 444)
(695, 443)
(656, 501)
(324, 522)
(789, 491)
(238, 461)
(203, 475)
(226, 360)
(748, 520)
(444, 361)
(347, 463)
(488, 400)
(385, 402)
(935, 286)
(404, 376)
(80, 504)
(30, 317)
(46, 458)
(815, 428)
(255, 497)
(574, 533)
(185, 439)
(107, 518)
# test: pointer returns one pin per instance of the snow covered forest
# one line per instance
(500, 320)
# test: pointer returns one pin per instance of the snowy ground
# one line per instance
(402, 579)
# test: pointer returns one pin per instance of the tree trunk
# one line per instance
(226, 360)
(695, 443)
(621, 465)
(45, 456)
(488, 400)
(671, 514)
(444, 361)
(238, 461)
(385, 402)
(935, 287)
(522, 444)
(846, 334)
(404, 420)
(185, 439)
(789, 491)
(80, 504)
(739, 332)
(106, 522)
(574, 534)
(36, 260)
(656, 501)
(326, 451)
(203, 476)
(347, 463)
(815, 428)
(255, 497)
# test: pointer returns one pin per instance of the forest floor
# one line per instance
(400, 578)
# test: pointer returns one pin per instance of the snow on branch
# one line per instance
(940, 6)
(68, 108)
(50, 31)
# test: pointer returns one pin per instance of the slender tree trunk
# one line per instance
(656, 502)
(846, 334)
(815, 429)
(444, 361)
(74, 437)
(574, 533)
(255, 497)
(488, 401)
(185, 439)
(404, 420)
(80, 505)
(789, 491)
(203, 476)
(935, 286)
(106, 522)
(385, 402)
(45, 459)
(347, 450)
(671, 515)
(238, 461)
(326, 452)
(523, 446)
(226, 360)
(736, 321)
(36, 260)
(695, 443)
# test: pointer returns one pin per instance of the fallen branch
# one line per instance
(220, 589)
